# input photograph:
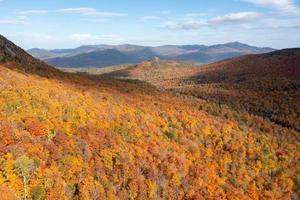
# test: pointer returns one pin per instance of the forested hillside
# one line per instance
(267, 85)
(87, 137)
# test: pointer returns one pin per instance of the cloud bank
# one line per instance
(231, 18)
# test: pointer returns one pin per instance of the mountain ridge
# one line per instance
(15, 57)
(133, 54)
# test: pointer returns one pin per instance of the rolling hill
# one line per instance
(105, 138)
(267, 85)
(92, 55)
(160, 73)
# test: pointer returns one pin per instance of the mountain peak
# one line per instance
(237, 44)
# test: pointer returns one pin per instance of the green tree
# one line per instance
(24, 167)
(38, 193)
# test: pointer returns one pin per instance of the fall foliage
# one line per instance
(65, 136)
(89, 141)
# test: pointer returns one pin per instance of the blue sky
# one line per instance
(70, 23)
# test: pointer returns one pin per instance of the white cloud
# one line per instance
(185, 25)
(85, 38)
(90, 12)
(231, 18)
(19, 20)
(81, 36)
(236, 17)
(287, 6)
(32, 12)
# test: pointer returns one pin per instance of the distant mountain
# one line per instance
(103, 55)
(221, 51)
(47, 54)
(96, 58)
(55, 53)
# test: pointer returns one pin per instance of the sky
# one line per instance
(52, 24)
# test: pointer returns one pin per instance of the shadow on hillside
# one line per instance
(265, 85)
(82, 80)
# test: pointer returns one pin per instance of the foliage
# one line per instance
(24, 166)
(38, 193)
(87, 139)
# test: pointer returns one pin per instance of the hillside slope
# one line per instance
(281, 63)
(157, 72)
(15, 57)
(103, 138)
(267, 85)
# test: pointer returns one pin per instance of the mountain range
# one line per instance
(107, 55)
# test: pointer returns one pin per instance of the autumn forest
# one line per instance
(156, 130)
